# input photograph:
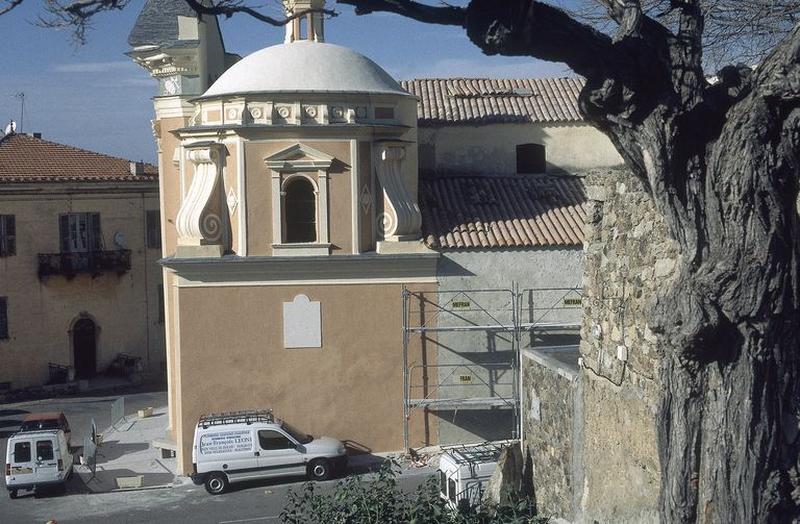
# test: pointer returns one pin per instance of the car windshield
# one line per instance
(296, 434)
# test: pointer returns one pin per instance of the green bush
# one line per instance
(355, 500)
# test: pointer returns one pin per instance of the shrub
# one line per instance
(356, 500)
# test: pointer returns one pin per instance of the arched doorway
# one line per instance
(84, 347)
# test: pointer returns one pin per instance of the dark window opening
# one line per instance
(80, 232)
(84, 342)
(44, 450)
(22, 452)
(269, 439)
(384, 113)
(153, 220)
(531, 159)
(3, 318)
(8, 236)
(300, 211)
(80, 237)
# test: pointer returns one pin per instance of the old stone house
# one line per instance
(79, 283)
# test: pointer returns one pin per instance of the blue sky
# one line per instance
(93, 96)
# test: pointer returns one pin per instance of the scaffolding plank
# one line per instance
(500, 327)
(424, 329)
(434, 403)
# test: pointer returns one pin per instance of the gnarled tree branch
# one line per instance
(9, 5)
(231, 8)
(441, 15)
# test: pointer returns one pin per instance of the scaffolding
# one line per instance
(503, 316)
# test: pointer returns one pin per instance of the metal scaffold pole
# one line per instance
(406, 393)
(453, 321)
(515, 295)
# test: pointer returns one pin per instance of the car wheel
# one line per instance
(216, 483)
(319, 469)
(12, 493)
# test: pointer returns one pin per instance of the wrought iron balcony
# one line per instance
(92, 262)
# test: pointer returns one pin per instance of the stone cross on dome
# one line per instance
(307, 27)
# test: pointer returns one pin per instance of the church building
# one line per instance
(290, 223)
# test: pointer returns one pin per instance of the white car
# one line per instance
(36, 459)
(247, 445)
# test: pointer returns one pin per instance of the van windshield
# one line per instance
(296, 434)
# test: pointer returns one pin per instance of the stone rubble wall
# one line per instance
(628, 257)
(551, 415)
(591, 431)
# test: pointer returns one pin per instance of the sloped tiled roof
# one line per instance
(157, 24)
(448, 101)
(24, 158)
(478, 212)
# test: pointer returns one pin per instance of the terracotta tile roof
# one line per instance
(24, 158)
(474, 212)
(447, 101)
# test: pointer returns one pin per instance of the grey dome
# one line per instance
(304, 66)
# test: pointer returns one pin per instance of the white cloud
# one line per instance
(94, 67)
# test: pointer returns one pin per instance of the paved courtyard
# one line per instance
(127, 452)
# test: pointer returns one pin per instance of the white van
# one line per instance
(36, 459)
(464, 472)
(247, 445)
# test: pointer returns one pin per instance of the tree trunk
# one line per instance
(728, 418)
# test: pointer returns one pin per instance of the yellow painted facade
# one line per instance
(125, 307)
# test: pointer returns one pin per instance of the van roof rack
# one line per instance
(236, 417)
(469, 454)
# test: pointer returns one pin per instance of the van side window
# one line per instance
(44, 450)
(451, 487)
(270, 439)
(22, 452)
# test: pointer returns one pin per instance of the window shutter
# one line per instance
(95, 236)
(3, 317)
(11, 235)
(63, 231)
(154, 229)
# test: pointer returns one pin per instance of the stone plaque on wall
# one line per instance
(302, 323)
(536, 408)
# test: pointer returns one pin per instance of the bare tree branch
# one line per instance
(228, 8)
(442, 15)
(78, 14)
(9, 5)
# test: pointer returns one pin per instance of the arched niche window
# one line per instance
(531, 159)
(300, 211)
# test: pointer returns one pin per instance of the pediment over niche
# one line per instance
(299, 157)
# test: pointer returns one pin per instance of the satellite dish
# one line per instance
(11, 127)
(119, 240)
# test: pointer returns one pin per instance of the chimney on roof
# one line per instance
(34, 135)
(137, 168)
